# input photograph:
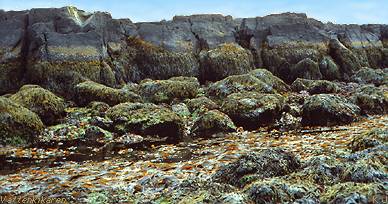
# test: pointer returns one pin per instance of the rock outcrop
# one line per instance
(58, 48)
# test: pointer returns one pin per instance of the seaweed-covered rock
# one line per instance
(270, 79)
(18, 125)
(202, 102)
(238, 83)
(212, 122)
(156, 62)
(371, 99)
(327, 109)
(225, 60)
(329, 69)
(368, 139)
(320, 170)
(306, 69)
(365, 171)
(259, 165)
(89, 91)
(181, 109)
(277, 190)
(345, 58)
(314, 86)
(252, 110)
(370, 76)
(351, 192)
(164, 91)
(147, 119)
(202, 191)
(47, 105)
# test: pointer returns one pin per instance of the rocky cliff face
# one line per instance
(60, 47)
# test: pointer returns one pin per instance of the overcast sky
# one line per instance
(337, 11)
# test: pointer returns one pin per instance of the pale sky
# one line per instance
(336, 11)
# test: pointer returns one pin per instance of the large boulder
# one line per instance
(252, 110)
(306, 69)
(225, 60)
(371, 99)
(236, 84)
(328, 109)
(314, 86)
(270, 79)
(329, 69)
(370, 76)
(89, 91)
(212, 122)
(201, 103)
(18, 125)
(267, 163)
(277, 190)
(347, 61)
(165, 91)
(44, 103)
(147, 119)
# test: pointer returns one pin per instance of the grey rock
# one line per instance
(328, 109)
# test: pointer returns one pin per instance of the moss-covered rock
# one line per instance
(147, 119)
(238, 83)
(202, 102)
(278, 190)
(89, 91)
(329, 69)
(351, 192)
(306, 69)
(267, 163)
(18, 125)
(165, 91)
(212, 122)
(372, 100)
(370, 76)
(314, 86)
(225, 60)
(252, 110)
(47, 105)
(368, 139)
(270, 79)
(328, 109)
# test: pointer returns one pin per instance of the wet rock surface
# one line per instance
(102, 110)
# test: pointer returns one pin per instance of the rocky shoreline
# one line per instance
(99, 110)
